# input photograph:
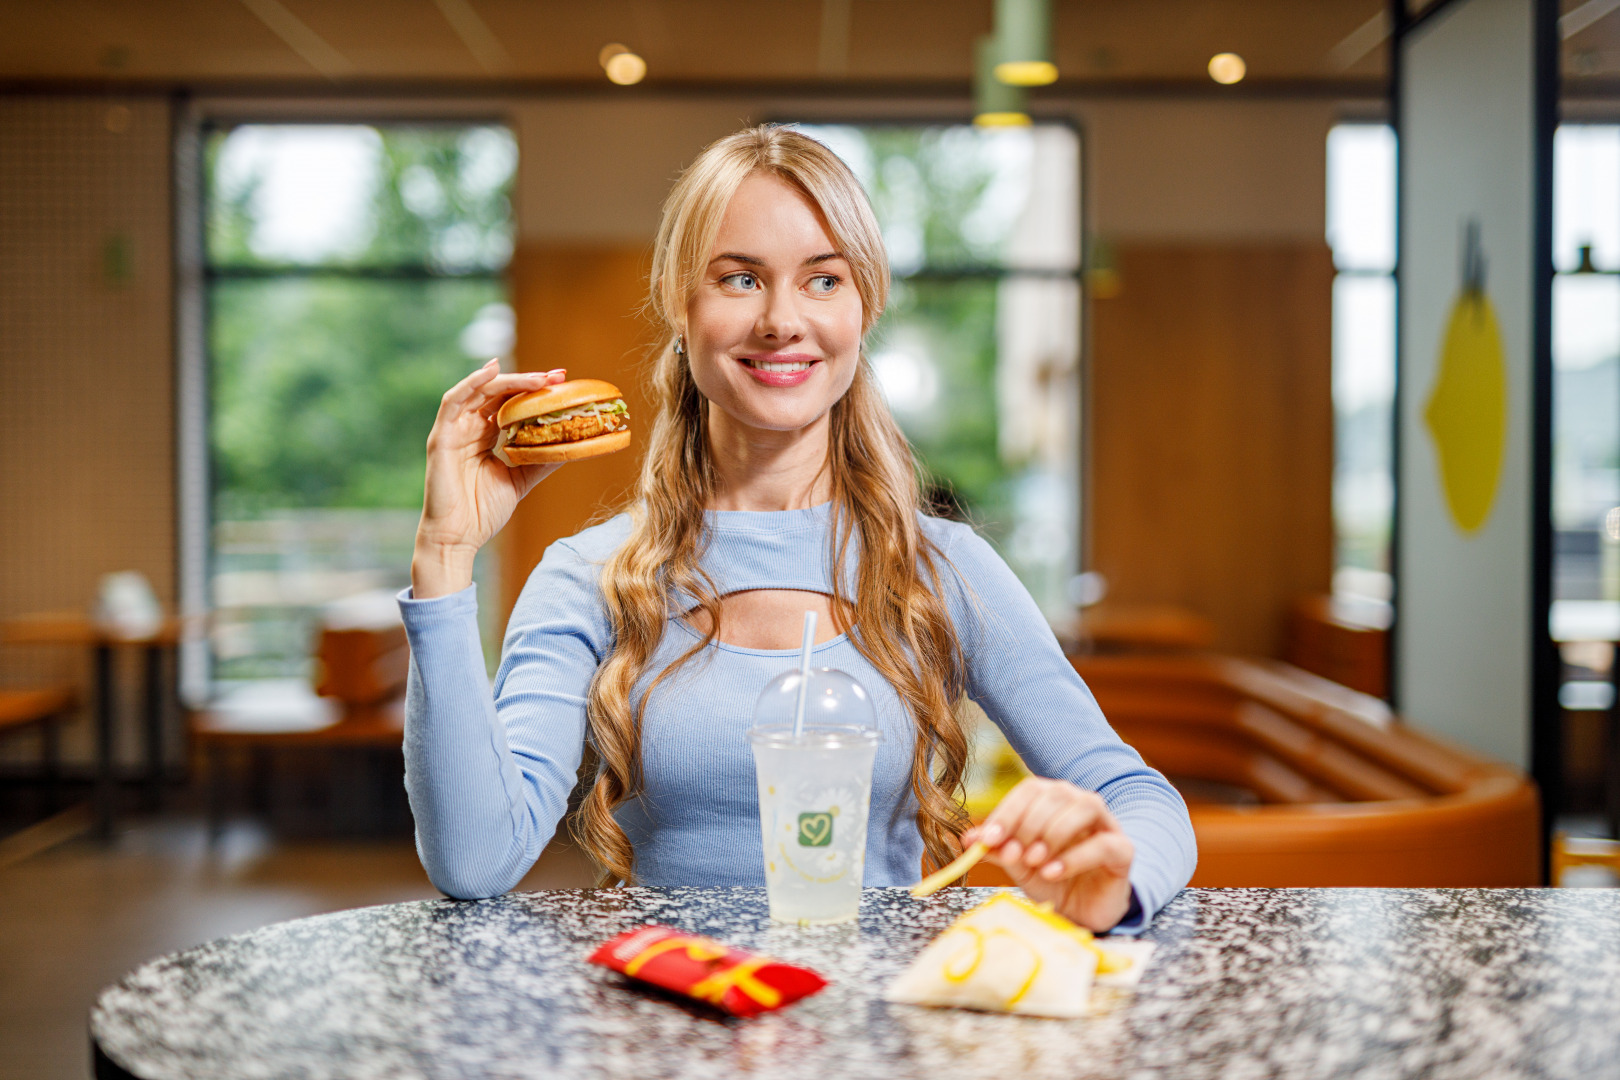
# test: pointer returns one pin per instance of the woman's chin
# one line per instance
(775, 417)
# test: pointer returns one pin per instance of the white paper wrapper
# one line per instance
(1009, 955)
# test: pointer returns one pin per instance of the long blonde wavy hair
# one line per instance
(897, 617)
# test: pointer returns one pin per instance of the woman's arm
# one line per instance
(488, 774)
(481, 817)
(1137, 844)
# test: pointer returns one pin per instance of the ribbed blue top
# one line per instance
(489, 774)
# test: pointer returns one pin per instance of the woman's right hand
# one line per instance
(469, 493)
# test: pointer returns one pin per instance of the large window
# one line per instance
(978, 353)
(353, 274)
(1586, 361)
(1361, 232)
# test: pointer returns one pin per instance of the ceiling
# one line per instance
(337, 42)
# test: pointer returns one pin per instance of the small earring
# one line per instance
(680, 345)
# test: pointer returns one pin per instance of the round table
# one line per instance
(1246, 982)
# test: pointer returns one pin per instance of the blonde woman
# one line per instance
(774, 480)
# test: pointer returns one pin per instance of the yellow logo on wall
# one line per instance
(1467, 410)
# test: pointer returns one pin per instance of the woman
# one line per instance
(774, 481)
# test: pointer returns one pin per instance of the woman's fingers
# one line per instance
(1038, 819)
(1052, 800)
(1108, 849)
(1044, 816)
(490, 384)
(463, 391)
(489, 396)
(1005, 818)
(1071, 820)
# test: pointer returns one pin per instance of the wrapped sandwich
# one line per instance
(1010, 955)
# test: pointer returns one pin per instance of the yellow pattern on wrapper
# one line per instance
(1008, 955)
(713, 989)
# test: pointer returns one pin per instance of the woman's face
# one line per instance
(774, 330)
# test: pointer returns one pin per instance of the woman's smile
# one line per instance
(780, 369)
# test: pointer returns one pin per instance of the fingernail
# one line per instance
(991, 835)
(1011, 850)
(1036, 854)
(1051, 870)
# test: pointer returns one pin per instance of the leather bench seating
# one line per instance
(1343, 792)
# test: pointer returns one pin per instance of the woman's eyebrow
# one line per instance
(750, 260)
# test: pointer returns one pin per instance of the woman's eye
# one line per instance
(823, 283)
(741, 280)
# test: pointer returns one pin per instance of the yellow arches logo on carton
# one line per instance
(1467, 409)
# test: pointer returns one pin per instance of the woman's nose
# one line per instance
(780, 320)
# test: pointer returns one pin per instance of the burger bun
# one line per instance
(557, 453)
(554, 398)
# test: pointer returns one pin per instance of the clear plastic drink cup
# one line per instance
(814, 794)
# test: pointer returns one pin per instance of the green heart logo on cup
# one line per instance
(815, 829)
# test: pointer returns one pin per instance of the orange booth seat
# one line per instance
(1295, 781)
(1316, 784)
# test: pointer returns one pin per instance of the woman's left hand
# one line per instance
(1060, 845)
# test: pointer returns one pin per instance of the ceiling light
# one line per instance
(625, 68)
(1024, 29)
(1002, 119)
(995, 104)
(1227, 68)
(1027, 72)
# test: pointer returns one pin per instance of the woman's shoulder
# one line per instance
(568, 577)
(969, 557)
(595, 543)
(951, 536)
(577, 560)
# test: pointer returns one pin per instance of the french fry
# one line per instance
(942, 877)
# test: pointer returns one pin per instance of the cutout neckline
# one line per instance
(746, 651)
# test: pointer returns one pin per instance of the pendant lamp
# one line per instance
(1025, 30)
(995, 104)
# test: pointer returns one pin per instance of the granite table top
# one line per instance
(1246, 983)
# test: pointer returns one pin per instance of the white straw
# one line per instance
(804, 671)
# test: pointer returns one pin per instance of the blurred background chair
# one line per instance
(337, 742)
(40, 710)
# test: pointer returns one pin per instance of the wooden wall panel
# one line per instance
(577, 308)
(1211, 441)
(86, 374)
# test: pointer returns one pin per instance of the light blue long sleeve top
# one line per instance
(489, 772)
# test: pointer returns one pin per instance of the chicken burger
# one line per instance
(566, 421)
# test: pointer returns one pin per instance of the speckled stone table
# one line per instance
(1246, 983)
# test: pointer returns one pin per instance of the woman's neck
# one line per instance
(759, 469)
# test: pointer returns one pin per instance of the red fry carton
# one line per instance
(741, 983)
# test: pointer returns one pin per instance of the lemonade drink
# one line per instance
(814, 794)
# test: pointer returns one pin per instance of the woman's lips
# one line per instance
(779, 369)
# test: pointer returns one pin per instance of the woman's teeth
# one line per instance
(779, 365)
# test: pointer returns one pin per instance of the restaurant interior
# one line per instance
(1168, 328)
